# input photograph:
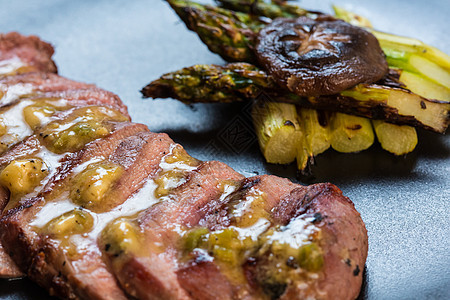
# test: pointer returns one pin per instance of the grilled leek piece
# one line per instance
(277, 129)
(404, 51)
(315, 138)
(424, 87)
(350, 133)
(396, 139)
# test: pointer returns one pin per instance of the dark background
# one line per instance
(404, 201)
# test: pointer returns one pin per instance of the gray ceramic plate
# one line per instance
(405, 202)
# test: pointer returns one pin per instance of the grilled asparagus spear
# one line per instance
(227, 33)
(211, 83)
(375, 101)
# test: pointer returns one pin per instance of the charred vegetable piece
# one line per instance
(77, 221)
(392, 104)
(316, 136)
(210, 83)
(225, 32)
(319, 57)
(81, 127)
(424, 87)
(23, 175)
(397, 139)
(377, 101)
(350, 133)
(277, 129)
(92, 185)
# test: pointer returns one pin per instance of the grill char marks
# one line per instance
(273, 189)
(189, 203)
(136, 245)
(140, 155)
(31, 50)
(85, 97)
(100, 149)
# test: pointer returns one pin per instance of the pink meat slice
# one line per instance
(197, 274)
(154, 276)
(344, 242)
(31, 50)
(8, 268)
(140, 155)
(47, 85)
(43, 82)
(42, 258)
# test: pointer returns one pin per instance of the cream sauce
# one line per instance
(9, 66)
(296, 234)
(17, 128)
(15, 92)
(253, 231)
(245, 206)
(140, 201)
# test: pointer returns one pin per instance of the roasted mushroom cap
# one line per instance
(320, 56)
